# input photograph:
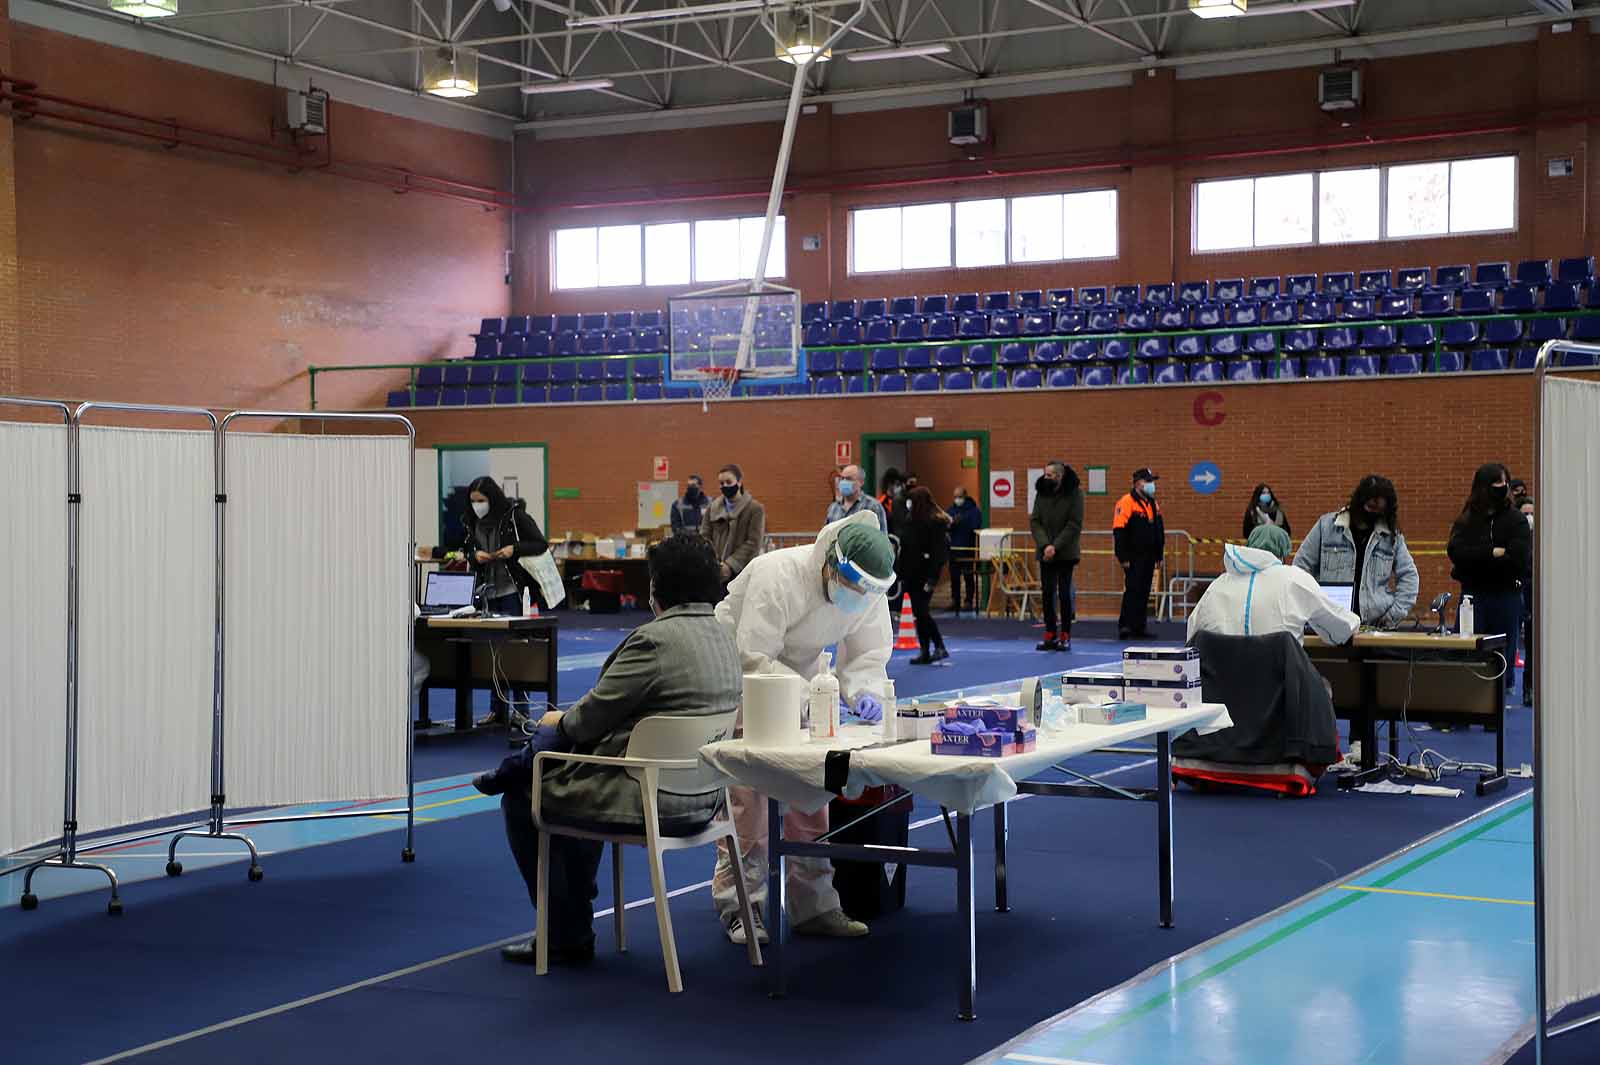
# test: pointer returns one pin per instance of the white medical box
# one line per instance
(1091, 687)
(1161, 663)
(1162, 694)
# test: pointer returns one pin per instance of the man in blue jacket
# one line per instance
(965, 521)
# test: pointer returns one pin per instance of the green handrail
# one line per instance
(1132, 338)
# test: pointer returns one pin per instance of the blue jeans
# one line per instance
(573, 866)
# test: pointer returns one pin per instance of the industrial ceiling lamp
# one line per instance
(450, 73)
(145, 8)
(799, 36)
(1218, 8)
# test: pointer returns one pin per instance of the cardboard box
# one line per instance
(995, 718)
(1161, 663)
(1110, 713)
(917, 723)
(984, 744)
(1091, 688)
(1163, 694)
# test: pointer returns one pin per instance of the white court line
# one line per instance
(371, 981)
(1037, 1060)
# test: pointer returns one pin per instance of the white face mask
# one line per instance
(481, 510)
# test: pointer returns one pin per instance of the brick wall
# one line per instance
(1150, 140)
(8, 230)
(160, 275)
(1312, 440)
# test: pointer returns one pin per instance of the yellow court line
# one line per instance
(450, 802)
(1435, 895)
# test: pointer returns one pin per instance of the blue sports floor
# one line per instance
(1318, 930)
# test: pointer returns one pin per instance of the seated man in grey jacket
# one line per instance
(682, 662)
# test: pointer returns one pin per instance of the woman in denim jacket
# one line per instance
(1360, 545)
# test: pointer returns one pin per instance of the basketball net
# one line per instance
(716, 384)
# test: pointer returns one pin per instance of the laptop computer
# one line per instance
(446, 592)
(1339, 594)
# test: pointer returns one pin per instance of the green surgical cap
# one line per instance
(1270, 538)
(867, 548)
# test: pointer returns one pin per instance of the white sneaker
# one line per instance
(833, 924)
(735, 928)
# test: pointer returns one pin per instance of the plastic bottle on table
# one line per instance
(891, 713)
(1464, 616)
(823, 704)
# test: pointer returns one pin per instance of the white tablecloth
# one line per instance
(794, 774)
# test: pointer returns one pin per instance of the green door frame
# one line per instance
(868, 461)
(439, 491)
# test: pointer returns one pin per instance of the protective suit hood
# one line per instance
(1244, 561)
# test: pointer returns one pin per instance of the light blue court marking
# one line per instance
(592, 660)
(1396, 975)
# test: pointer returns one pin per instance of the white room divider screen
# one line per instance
(147, 625)
(1567, 723)
(33, 631)
(317, 575)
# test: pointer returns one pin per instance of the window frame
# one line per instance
(644, 277)
(1383, 236)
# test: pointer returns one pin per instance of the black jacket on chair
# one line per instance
(1280, 709)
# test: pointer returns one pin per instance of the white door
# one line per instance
(426, 496)
(522, 469)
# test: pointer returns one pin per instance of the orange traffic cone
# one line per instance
(907, 640)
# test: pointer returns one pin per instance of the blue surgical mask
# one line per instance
(1150, 489)
(1266, 499)
(847, 488)
(848, 600)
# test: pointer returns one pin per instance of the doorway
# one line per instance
(941, 460)
(521, 470)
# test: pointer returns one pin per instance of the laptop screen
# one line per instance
(448, 589)
(1339, 593)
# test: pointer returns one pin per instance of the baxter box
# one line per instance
(918, 722)
(1163, 694)
(1110, 713)
(995, 718)
(984, 744)
(1091, 688)
(1161, 663)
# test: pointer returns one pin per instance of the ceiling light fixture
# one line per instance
(910, 51)
(539, 87)
(450, 73)
(1218, 8)
(798, 38)
(145, 8)
(670, 14)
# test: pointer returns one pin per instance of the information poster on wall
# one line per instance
(1002, 489)
(655, 503)
(1097, 481)
(1033, 486)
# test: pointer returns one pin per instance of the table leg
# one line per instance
(463, 686)
(1164, 823)
(423, 720)
(1002, 830)
(550, 678)
(1369, 712)
(968, 992)
(777, 914)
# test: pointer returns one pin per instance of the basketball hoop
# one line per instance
(716, 383)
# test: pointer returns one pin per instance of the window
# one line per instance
(1367, 204)
(669, 253)
(1028, 229)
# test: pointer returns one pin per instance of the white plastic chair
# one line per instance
(663, 757)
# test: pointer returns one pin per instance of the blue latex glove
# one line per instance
(869, 708)
(961, 728)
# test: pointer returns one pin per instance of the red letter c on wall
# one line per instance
(1203, 412)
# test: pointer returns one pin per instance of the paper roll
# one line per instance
(1033, 699)
(772, 703)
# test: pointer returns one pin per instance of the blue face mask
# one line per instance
(847, 488)
(850, 602)
(1266, 499)
(1150, 489)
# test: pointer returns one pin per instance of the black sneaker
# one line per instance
(523, 954)
(940, 654)
(1064, 643)
(924, 659)
(1048, 644)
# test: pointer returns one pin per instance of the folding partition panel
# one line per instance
(33, 631)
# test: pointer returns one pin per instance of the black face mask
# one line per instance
(730, 491)
(693, 493)
(1499, 493)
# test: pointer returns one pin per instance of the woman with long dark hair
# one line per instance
(1361, 545)
(1491, 547)
(924, 549)
(1264, 508)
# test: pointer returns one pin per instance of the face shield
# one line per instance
(851, 588)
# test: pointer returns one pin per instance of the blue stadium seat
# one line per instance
(841, 309)
(453, 397)
(1154, 348)
(1058, 298)
(563, 373)
(1534, 272)
(1162, 295)
(855, 385)
(590, 393)
(1193, 292)
(537, 375)
(1361, 366)
(826, 386)
(1302, 285)
(1411, 279)
(400, 398)
(1448, 362)
(430, 376)
(1281, 312)
(481, 375)
(816, 334)
(1208, 315)
(1093, 296)
(853, 362)
(1125, 296)
(997, 301)
(894, 382)
(1451, 278)
(875, 308)
(902, 306)
(1374, 282)
(1037, 324)
(917, 358)
(978, 355)
(1244, 313)
(1317, 310)
(1436, 303)
(1417, 335)
(488, 327)
(1540, 330)
(1071, 321)
(1300, 340)
(1586, 329)
(1171, 372)
(909, 329)
(1140, 319)
(1004, 323)
(1030, 300)
(518, 325)
(813, 312)
(1013, 354)
(1340, 339)
(936, 305)
(647, 391)
(1459, 334)
(925, 382)
(992, 379)
(1175, 316)
(427, 397)
(486, 347)
(1228, 290)
(941, 326)
(1394, 305)
(964, 303)
(847, 331)
(1377, 338)
(646, 369)
(1322, 366)
(1104, 320)
(821, 362)
(1403, 362)
(1502, 332)
(1518, 298)
(542, 344)
(544, 323)
(1337, 286)
(878, 331)
(455, 375)
(1224, 344)
(591, 370)
(948, 355)
(1261, 343)
(1116, 350)
(1189, 345)
(1063, 377)
(619, 342)
(565, 323)
(1098, 375)
(1476, 301)
(1265, 288)
(972, 326)
(1358, 309)
(1245, 370)
(1576, 271)
(958, 381)
(591, 323)
(1492, 275)
(1488, 359)
(1206, 371)
(1561, 296)
(566, 342)
(885, 360)
(504, 396)
(1138, 374)
(1524, 358)
(1026, 379)
(563, 393)
(1284, 369)
(1083, 350)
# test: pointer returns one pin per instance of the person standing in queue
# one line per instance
(1057, 524)
(1264, 508)
(1491, 550)
(498, 532)
(1139, 536)
(736, 524)
(965, 520)
(1361, 545)
(924, 547)
(851, 498)
(689, 512)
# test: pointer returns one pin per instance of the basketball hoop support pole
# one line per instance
(780, 174)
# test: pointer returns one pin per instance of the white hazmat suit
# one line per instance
(1258, 594)
(782, 623)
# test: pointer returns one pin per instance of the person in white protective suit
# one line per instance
(785, 608)
(1258, 594)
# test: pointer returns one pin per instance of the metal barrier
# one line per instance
(1098, 575)
(776, 541)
